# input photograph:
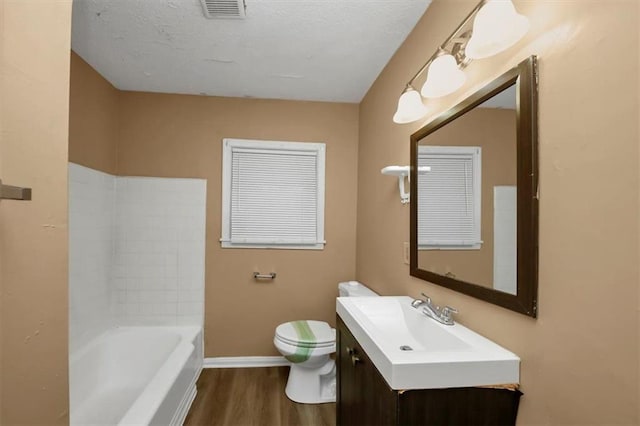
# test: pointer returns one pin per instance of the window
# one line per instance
(273, 194)
(449, 198)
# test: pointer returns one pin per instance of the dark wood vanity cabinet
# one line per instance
(364, 397)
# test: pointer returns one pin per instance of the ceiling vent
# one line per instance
(225, 9)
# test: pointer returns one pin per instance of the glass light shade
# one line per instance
(444, 77)
(496, 27)
(410, 107)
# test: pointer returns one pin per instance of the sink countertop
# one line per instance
(441, 356)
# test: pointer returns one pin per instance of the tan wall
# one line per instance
(2, 142)
(93, 118)
(578, 367)
(34, 96)
(181, 136)
(494, 130)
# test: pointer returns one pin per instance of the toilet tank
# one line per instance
(355, 289)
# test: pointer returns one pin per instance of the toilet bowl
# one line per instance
(308, 345)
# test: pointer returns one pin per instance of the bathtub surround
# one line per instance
(136, 252)
(159, 251)
(136, 249)
(576, 367)
(91, 221)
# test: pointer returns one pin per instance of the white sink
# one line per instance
(441, 356)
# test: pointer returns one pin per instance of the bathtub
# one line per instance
(135, 376)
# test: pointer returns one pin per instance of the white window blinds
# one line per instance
(449, 197)
(273, 194)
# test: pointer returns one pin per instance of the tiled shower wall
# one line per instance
(159, 251)
(91, 221)
(136, 252)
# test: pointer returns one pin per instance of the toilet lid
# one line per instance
(306, 333)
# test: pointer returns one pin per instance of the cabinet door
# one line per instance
(364, 398)
(459, 406)
(348, 390)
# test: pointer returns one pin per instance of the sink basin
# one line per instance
(412, 351)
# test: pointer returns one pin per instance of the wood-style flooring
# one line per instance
(252, 397)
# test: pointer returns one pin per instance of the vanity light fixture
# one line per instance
(492, 27)
(410, 106)
(403, 172)
(496, 27)
(444, 76)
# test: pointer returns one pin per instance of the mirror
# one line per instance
(474, 193)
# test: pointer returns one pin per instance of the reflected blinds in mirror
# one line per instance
(449, 198)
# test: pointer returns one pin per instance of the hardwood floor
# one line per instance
(252, 397)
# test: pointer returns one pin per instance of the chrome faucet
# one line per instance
(419, 302)
(442, 315)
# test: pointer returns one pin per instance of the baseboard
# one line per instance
(245, 362)
(183, 410)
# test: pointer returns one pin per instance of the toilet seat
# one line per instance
(306, 334)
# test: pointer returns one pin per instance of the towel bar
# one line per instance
(269, 276)
(8, 192)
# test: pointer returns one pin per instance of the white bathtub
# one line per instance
(136, 376)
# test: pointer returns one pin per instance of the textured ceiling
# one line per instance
(322, 50)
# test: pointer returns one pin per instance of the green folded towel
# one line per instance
(303, 352)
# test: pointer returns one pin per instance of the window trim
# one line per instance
(228, 145)
(476, 155)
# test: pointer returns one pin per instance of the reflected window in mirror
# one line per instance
(450, 197)
(474, 229)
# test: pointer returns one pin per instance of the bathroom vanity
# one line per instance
(396, 366)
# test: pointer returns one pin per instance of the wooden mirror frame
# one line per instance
(525, 76)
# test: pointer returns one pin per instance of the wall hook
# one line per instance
(403, 172)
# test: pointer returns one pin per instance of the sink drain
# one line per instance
(406, 348)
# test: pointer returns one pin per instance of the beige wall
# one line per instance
(494, 130)
(579, 366)
(181, 136)
(34, 96)
(93, 118)
(2, 142)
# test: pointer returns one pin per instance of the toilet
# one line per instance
(307, 345)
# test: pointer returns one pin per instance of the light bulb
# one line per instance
(410, 107)
(444, 77)
(496, 27)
